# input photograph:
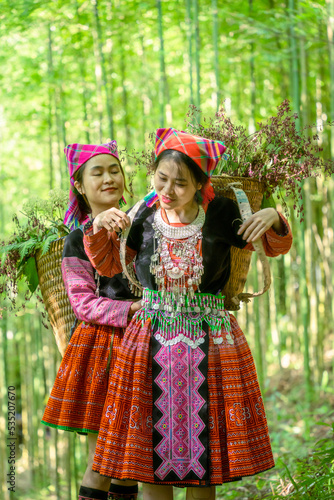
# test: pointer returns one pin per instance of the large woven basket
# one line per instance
(54, 295)
(240, 259)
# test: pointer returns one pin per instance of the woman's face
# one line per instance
(174, 185)
(102, 183)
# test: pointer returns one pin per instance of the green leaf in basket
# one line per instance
(268, 202)
(29, 270)
(47, 242)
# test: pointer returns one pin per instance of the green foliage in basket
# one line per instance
(43, 224)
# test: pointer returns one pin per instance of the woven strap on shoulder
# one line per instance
(246, 212)
(122, 250)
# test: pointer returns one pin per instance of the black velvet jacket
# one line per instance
(220, 229)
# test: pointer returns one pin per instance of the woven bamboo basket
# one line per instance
(240, 259)
(54, 294)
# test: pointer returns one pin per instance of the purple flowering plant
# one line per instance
(277, 154)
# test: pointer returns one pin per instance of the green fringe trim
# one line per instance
(71, 429)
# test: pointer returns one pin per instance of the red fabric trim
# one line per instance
(102, 249)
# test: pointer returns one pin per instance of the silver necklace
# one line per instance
(183, 272)
(179, 233)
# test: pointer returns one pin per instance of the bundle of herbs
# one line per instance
(42, 224)
(278, 154)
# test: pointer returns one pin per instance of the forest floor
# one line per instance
(296, 428)
(298, 431)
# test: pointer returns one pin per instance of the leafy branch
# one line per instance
(277, 154)
(42, 225)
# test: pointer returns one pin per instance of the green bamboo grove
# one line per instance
(93, 70)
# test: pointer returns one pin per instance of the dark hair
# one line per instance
(83, 204)
(82, 200)
(197, 174)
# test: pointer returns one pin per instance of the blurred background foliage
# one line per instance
(93, 70)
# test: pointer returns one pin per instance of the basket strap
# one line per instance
(122, 249)
(246, 212)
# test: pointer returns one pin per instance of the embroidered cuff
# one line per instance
(88, 228)
(286, 228)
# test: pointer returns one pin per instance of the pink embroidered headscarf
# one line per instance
(77, 155)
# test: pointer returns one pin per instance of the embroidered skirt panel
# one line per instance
(78, 394)
(181, 415)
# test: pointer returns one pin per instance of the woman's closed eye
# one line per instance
(179, 184)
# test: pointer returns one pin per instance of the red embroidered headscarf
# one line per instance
(206, 153)
(77, 155)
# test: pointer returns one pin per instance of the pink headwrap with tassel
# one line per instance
(77, 155)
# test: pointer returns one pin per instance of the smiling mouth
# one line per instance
(165, 199)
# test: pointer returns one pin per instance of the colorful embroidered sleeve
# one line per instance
(78, 276)
(102, 250)
(276, 244)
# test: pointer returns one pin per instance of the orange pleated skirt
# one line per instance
(182, 416)
(78, 394)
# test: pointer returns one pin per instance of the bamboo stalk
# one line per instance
(259, 339)
(3, 400)
(162, 87)
(40, 404)
(48, 356)
(76, 457)
(293, 339)
(303, 75)
(316, 330)
(50, 91)
(215, 20)
(197, 53)
(145, 101)
(26, 398)
(276, 334)
(82, 70)
(104, 80)
(252, 76)
(190, 51)
(68, 464)
(330, 37)
(124, 90)
(55, 99)
(303, 270)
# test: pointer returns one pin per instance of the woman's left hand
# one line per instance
(254, 227)
(135, 306)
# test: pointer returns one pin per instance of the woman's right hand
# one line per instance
(112, 219)
(135, 306)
